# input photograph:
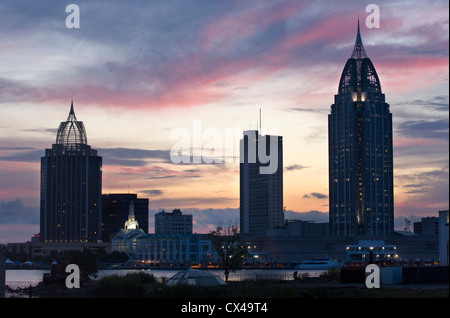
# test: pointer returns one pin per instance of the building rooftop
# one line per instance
(71, 133)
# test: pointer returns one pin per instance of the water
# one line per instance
(21, 278)
(16, 278)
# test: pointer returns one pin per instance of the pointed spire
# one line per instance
(131, 210)
(358, 50)
(71, 113)
(131, 223)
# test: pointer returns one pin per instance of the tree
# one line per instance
(86, 260)
(230, 248)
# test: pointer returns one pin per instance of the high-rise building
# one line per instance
(261, 187)
(173, 222)
(71, 187)
(361, 200)
(115, 211)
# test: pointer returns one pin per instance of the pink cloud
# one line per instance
(408, 142)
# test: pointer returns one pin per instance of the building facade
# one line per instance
(427, 226)
(179, 249)
(173, 222)
(443, 237)
(71, 187)
(261, 191)
(361, 199)
(115, 210)
(371, 251)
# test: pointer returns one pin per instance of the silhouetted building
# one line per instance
(261, 183)
(306, 228)
(361, 200)
(71, 187)
(427, 226)
(115, 211)
(173, 222)
(443, 237)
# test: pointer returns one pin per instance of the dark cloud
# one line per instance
(439, 103)
(152, 193)
(428, 195)
(161, 177)
(130, 157)
(309, 110)
(23, 154)
(315, 195)
(17, 148)
(133, 157)
(15, 212)
(435, 129)
(295, 167)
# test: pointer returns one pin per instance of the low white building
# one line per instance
(365, 250)
(164, 248)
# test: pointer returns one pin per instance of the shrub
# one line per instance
(130, 285)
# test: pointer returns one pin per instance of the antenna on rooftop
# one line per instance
(260, 122)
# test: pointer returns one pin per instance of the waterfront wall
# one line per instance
(297, 248)
(280, 248)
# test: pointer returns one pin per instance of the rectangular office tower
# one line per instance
(71, 187)
(115, 211)
(173, 222)
(361, 199)
(261, 183)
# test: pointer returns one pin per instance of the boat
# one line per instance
(318, 263)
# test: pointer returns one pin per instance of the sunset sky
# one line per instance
(137, 70)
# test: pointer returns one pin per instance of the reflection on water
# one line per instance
(25, 277)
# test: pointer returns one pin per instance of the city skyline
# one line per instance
(138, 71)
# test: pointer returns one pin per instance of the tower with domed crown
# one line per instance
(71, 187)
(361, 199)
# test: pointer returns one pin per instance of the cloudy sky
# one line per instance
(139, 70)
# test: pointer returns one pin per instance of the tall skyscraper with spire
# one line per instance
(361, 199)
(71, 187)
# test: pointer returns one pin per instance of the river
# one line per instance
(16, 278)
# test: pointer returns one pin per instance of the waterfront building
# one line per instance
(164, 248)
(361, 199)
(261, 193)
(71, 187)
(376, 251)
(115, 211)
(173, 222)
(443, 237)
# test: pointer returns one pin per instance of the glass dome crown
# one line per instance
(359, 71)
(71, 132)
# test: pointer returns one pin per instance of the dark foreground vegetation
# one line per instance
(144, 285)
